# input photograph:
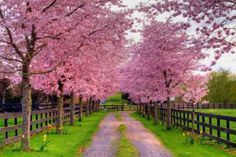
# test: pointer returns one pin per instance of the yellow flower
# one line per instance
(23, 136)
(187, 133)
(183, 134)
(201, 132)
(44, 137)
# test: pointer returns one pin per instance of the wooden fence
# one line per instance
(16, 107)
(216, 127)
(118, 107)
(202, 106)
(11, 123)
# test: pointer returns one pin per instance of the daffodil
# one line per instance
(183, 134)
(44, 137)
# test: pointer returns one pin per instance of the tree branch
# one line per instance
(10, 59)
(49, 6)
(11, 37)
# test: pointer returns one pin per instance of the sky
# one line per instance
(227, 61)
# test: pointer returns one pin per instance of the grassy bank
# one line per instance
(125, 147)
(67, 145)
(175, 140)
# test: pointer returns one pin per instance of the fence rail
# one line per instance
(119, 107)
(216, 127)
(203, 106)
(11, 123)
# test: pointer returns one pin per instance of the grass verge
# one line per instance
(118, 116)
(71, 144)
(125, 147)
(175, 141)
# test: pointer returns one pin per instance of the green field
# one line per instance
(70, 144)
(116, 100)
(174, 140)
(223, 123)
(226, 112)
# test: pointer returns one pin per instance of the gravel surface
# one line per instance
(105, 142)
(106, 139)
(147, 144)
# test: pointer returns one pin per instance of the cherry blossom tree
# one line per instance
(163, 61)
(93, 71)
(213, 20)
(194, 88)
(39, 36)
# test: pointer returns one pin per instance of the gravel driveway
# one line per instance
(106, 139)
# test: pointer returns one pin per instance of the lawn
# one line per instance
(116, 100)
(70, 144)
(175, 140)
(226, 112)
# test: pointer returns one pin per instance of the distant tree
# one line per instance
(125, 96)
(222, 87)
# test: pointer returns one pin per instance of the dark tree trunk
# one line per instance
(60, 110)
(26, 103)
(155, 113)
(149, 110)
(168, 125)
(80, 108)
(87, 107)
(4, 96)
(72, 114)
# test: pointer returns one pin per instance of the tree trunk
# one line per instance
(60, 117)
(168, 125)
(193, 113)
(26, 103)
(4, 96)
(143, 110)
(155, 114)
(98, 105)
(148, 111)
(80, 108)
(72, 114)
(138, 108)
(87, 107)
(60, 109)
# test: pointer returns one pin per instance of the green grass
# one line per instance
(174, 141)
(223, 123)
(67, 145)
(118, 116)
(116, 100)
(125, 147)
(226, 112)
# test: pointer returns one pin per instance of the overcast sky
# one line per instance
(227, 61)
